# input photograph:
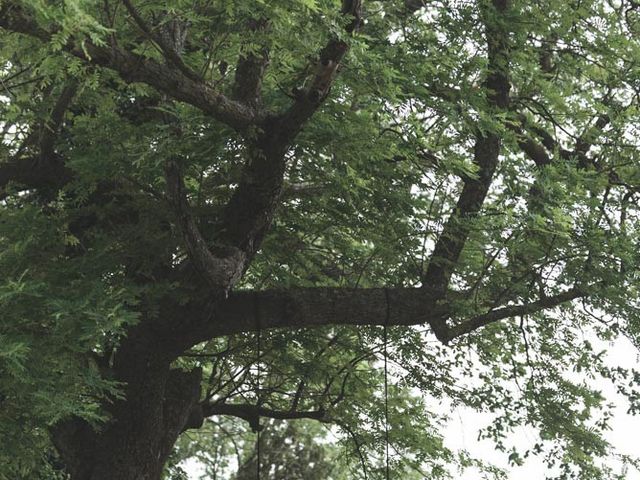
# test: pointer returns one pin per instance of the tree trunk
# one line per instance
(143, 426)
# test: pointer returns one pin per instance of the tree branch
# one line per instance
(487, 147)
(510, 311)
(169, 52)
(246, 311)
(136, 68)
(251, 208)
(50, 128)
(250, 70)
(252, 413)
(43, 169)
(38, 172)
(220, 271)
(309, 99)
(533, 149)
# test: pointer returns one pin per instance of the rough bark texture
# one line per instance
(135, 443)
(313, 307)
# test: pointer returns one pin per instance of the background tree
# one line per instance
(187, 189)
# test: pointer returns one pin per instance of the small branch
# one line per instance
(297, 396)
(252, 413)
(513, 311)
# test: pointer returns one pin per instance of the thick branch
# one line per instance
(585, 141)
(449, 245)
(136, 68)
(309, 99)
(311, 307)
(533, 149)
(41, 173)
(45, 169)
(250, 210)
(250, 70)
(252, 206)
(245, 311)
(49, 130)
(540, 152)
(220, 271)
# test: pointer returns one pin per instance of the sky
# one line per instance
(462, 432)
(463, 429)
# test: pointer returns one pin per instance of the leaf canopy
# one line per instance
(372, 193)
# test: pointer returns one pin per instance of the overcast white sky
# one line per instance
(465, 424)
(463, 431)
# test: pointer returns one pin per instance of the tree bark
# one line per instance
(143, 425)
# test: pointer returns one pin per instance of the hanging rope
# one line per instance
(386, 385)
(258, 389)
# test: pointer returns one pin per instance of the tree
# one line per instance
(214, 209)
